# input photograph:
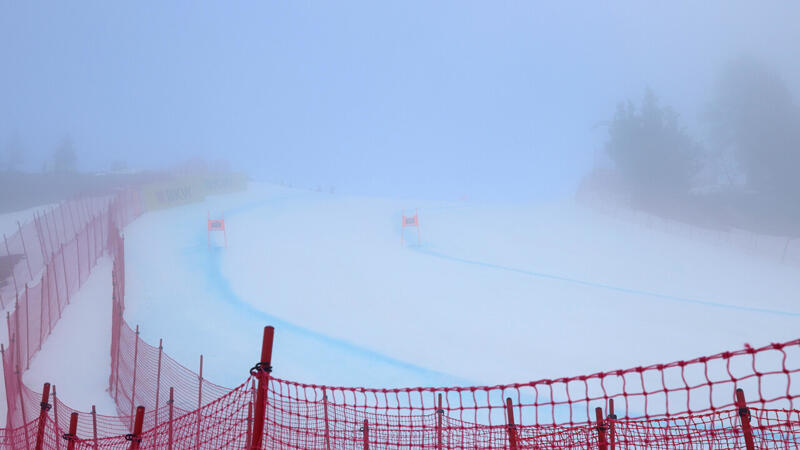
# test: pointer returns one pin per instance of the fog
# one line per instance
(484, 99)
(400, 189)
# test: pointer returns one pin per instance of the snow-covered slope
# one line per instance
(494, 293)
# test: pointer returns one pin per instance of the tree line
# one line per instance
(751, 154)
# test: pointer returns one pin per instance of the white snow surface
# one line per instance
(76, 357)
(494, 294)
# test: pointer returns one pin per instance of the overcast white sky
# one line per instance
(487, 99)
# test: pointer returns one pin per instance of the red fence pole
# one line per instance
(601, 429)
(64, 266)
(94, 426)
(53, 262)
(49, 236)
(612, 429)
(249, 424)
(27, 331)
(512, 428)
(42, 300)
(365, 430)
(63, 222)
(744, 415)
(25, 250)
(78, 256)
(169, 424)
(55, 416)
(71, 216)
(9, 396)
(22, 406)
(8, 252)
(133, 386)
(158, 377)
(73, 430)
(136, 437)
(199, 402)
(43, 415)
(439, 414)
(38, 226)
(262, 371)
(327, 425)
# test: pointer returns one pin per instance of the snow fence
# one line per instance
(746, 398)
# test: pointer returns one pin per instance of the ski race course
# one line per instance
(564, 289)
(491, 294)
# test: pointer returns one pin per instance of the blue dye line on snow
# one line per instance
(213, 273)
(609, 287)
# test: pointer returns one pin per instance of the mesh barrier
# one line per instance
(746, 398)
(53, 256)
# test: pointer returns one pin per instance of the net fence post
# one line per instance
(27, 330)
(170, 402)
(365, 432)
(43, 298)
(55, 417)
(8, 252)
(612, 429)
(78, 257)
(744, 415)
(602, 442)
(136, 436)
(262, 371)
(71, 436)
(115, 334)
(439, 417)
(9, 398)
(45, 406)
(94, 427)
(249, 425)
(25, 251)
(512, 427)
(54, 263)
(158, 378)
(22, 406)
(66, 280)
(199, 403)
(133, 382)
(327, 424)
(38, 227)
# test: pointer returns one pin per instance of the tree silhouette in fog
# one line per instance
(64, 158)
(656, 158)
(13, 153)
(755, 121)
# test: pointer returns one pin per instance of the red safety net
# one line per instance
(53, 256)
(746, 398)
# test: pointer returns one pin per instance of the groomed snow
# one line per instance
(494, 294)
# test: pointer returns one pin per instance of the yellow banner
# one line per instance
(187, 189)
